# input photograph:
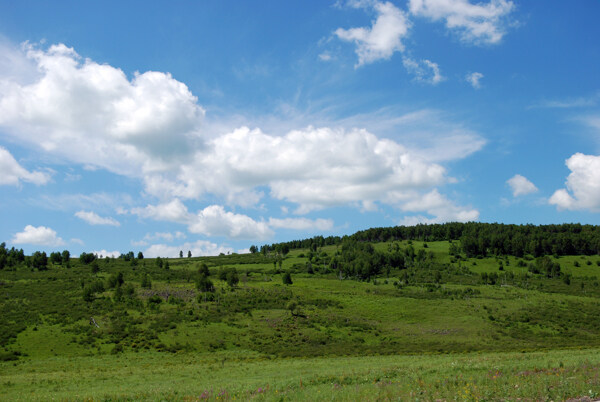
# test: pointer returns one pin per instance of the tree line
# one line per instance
(476, 239)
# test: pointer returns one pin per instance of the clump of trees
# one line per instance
(10, 258)
(87, 258)
(361, 261)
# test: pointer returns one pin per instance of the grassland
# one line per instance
(435, 330)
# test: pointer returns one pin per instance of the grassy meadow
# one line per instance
(447, 327)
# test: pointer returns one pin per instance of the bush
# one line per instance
(203, 270)
(155, 300)
(232, 278)
(203, 284)
(287, 278)
(146, 283)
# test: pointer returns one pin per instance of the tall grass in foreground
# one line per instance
(549, 375)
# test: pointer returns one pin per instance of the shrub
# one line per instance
(146, 283)
(232, 278)
(287, 278)
(203, 270)
(203, 284)
(154, 300)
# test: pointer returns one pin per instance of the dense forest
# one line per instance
(476, 239)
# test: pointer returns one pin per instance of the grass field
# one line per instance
(435, 330)
(552, 375)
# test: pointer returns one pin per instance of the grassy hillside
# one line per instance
(116, 328)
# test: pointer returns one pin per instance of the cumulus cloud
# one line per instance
(481, 23)
(383, 38)
(173, 211)
(39, 236)
(210, 221)
(93, 114)
(521, 186)
(438, 206)
(314, 168)
(474, 79)
(94, 219)
(198, 248)
(148, 127)
(12, 172)
(301, 224)
(215, 221)
(583, 185)
(424, 70)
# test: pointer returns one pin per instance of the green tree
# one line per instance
(140, 256)
(65, 256)
(180, 253)
(87, 258)
(39, 260)
(203, 269)
(118, 294)
(56, 257)
(292, 306)
(88, 294)
(95, 267)
(232, 278)
(287, 279)
(146, 283)
(203, 284)
(189, 254)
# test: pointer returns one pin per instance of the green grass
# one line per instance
(443, 334)
(557, 375)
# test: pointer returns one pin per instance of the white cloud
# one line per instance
(215, 221)
(569, 102)
(166, 236)
(325, 56)
(39, 236)
(481, 23)
(198, 248)
(592, 121)
(583, 185)
(77, 241)
(94, 219)
(383, 38)
(424, 71)
(436, 205)
(148, 127)
(314, 168)
(93, 114)
(173, 211)
(427, 134)
(521, 186)
(69, 202)
(210, 221)
(474, 79)
(301, 224)
(12, 171)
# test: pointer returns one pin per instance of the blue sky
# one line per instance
(211, 126)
